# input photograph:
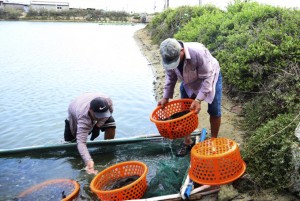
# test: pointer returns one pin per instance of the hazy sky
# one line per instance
(151, 6)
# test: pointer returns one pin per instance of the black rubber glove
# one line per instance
(95, 132)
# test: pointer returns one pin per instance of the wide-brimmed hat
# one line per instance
(170, 52)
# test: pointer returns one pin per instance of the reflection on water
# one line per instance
(45, 65)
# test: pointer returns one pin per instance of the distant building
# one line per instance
(6, 4)
(49, 5)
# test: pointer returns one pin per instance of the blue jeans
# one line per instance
(214, 109)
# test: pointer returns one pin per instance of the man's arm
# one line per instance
(81, 136)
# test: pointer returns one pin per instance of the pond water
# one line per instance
(21, 172)
(44, 65)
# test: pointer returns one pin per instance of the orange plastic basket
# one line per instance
(216, 161)
(175, 128)
(48, 189)
(135, 190)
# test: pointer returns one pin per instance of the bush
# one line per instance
(260, 42)
(203, 29)
(88, 15)
(267, 152)
(168, 23)
(281, 96)
(157, 27)
(251, 41)
(10, 14)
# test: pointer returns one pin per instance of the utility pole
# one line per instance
(200, 2)
(166, 4)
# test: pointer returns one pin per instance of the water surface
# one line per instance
(44, 65)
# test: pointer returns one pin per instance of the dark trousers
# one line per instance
(68, 134)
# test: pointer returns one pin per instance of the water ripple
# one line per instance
(45, 65)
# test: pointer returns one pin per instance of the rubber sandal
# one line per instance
(184, 149)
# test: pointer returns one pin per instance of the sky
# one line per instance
(151, 6)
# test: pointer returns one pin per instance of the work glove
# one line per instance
(95, 132)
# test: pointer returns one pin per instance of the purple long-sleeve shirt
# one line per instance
(81, 123)
(200, 73)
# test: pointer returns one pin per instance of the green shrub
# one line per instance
(10, 14)
(169, 22)
(157, 27)
(88, 15)
(252, 42)
(282, 95)
(260, 41)
(203, 29)
(267, 152)
(136, 16)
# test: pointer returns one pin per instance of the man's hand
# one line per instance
(196, 106)
(162, 102)
(90, 167)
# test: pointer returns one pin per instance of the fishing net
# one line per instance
(166, 171)
(168, 178)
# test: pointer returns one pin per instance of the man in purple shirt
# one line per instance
(201, 80)
(88, 114)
